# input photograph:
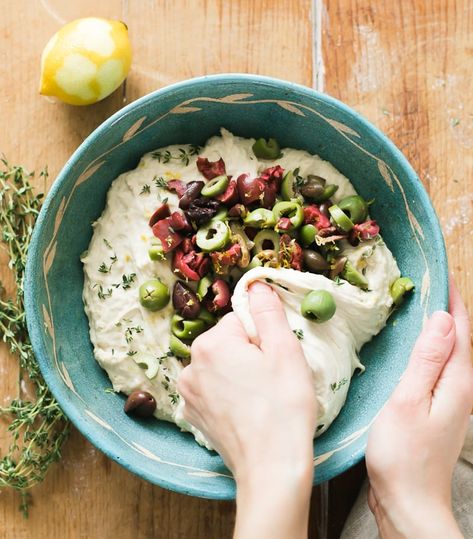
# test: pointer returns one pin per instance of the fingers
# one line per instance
(270, 320)
(429, 356)
(460, 314)
(457, 377)
(229, 329)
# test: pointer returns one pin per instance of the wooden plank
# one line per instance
(86, 495)
(407, 67)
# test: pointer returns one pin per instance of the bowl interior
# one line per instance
(191, 112)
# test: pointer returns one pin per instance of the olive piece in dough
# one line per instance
(318, 306)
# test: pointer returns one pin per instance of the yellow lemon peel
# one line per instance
(85, 61)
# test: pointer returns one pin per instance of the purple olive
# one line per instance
(185, 301)
(218, 296)
(250, 189)
(201, 210)
(190, 194)
(140, 403)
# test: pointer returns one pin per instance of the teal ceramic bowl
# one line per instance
(191, 112)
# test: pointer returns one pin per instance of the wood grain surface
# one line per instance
(405, 65)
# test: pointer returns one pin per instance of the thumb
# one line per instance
(270, 320)
(429, 356)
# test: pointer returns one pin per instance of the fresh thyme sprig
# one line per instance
(37, 425)
(183, 156)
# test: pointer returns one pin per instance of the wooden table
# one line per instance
(405, 65)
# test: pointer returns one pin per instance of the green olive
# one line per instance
(355, 207)
(261, 239)
(353, 276)
(329, 191)
(216, 186)
(187, 329)
(207, 317)
(213, 236)
(318, 306)
(255, 262)
(156, 251)
(400, 288)
(203, 287)
(289, 187)
(260, 218)
(178, 348)
(341, 218)
(221, 215)
(154, 295)
(291, 209)
(307, 235)
(266, 149)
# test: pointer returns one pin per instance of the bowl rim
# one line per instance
(34, 328)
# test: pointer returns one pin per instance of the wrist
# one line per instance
(273, 501)
(420, 520)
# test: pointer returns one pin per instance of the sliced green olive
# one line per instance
(291, 209)
(353, 276)
(187, 329)
(307, 235)
(178, 348)
(260, 218)
(255, 262)
(213, 236)
(263, 237)
(148, 362)
(221, 215)
(203, 287)
(266, 149)
(318, 306)
(355, 207)
(341, 218)
(288, 187)
(400, 288)
(216, 186)
(329, 191)
(207, 317)
(154, 295)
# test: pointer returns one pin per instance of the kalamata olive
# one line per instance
(202, 209)
(140, 403)
(190, 194)
(314, 261)
(161, 212)
(185, 301)
(219, 296)
(250, 189)
(324, 206)
(312, 189)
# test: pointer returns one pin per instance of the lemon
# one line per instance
(85, 61)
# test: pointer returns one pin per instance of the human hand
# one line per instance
(416, 440)
(257, 406)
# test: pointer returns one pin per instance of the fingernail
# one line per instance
(257, 287)
(440, 323)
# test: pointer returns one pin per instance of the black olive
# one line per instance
(314, 261)
(190, 194)
(140, 403)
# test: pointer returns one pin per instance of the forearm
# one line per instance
(274, 504)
